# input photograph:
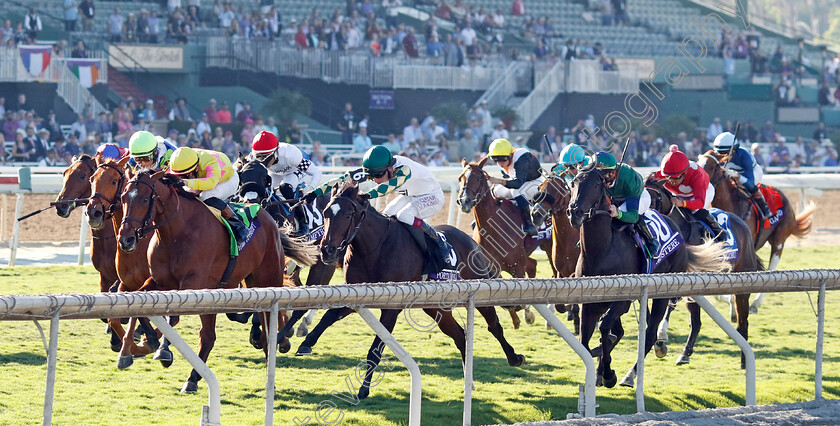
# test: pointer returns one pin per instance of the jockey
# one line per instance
(210, 174)
(526, 183)
(149, 151)
(743, 167)
(572, 159)
(289, 169)
(627, 188)
(690, 187)
(420, 193)
(112, 151)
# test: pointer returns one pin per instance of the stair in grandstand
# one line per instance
(125, 88)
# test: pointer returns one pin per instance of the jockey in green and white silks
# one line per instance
(630, 200)
(572, 159)
(420, 195)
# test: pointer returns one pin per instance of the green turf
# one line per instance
(90, 389)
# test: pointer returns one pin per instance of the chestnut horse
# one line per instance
(498, 229)
(608, 249)
(190, 249)
(552, 201)
(76, 185)
(731, 198)
(747, 261)
(380, 249)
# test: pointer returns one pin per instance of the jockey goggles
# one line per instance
(500, 158)
(377, 174)
(264, 155)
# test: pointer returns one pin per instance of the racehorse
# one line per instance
(190, 249)
(380, 249)
(76, 186)
(730, 197)
(552, 201)
(608, 249)
(747, 260)
(255, 187)
(498, 228)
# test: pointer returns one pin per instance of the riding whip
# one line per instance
(53, 204)
(618, 168)
(734, 138)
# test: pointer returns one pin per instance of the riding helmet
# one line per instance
(142, 144)
(573, 154)
(183, 161)
(377, 159)
(500, 148)
(605, 161)
(264, 143)
(674, 163)
(725, 142)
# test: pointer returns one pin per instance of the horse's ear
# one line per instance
(483, 161)
(157, 175)
(74, 159)
(464, 162)
(129, 173)
(98, 159)
(123, 161)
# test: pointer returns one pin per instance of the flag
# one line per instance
(87, 70)
(35, 58)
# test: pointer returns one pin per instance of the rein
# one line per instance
(114, 203)
(145, 227)
(352, 230)
(479, 196)
(594, 211)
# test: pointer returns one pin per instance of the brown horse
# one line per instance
(746, 261)
(731, 198)
(380, 249)
(498, 228)
(76, 185)
(190, 249)
(552, 201)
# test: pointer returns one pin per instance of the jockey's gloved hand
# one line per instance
(732, 173)
(309, 198)
(180, 183)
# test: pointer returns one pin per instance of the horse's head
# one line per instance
(240, 161)
(254, 182)
(474, 186)
(139, 201)
(343, 216)
(106, 184)
(713, 164)
(76, 183)
(660, 197)
(588, 196)
(552, 197)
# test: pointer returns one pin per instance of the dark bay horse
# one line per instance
(255, 187)
(380, 249)
(747, 261)
(607, 250)
(552, 201)
(731, 198)
(76, 185)
(190, 249)
(498, 228)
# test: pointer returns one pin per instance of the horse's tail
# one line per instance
(301, 251)
(804, 220)
(708, 257)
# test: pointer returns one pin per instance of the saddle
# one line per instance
(433, 263)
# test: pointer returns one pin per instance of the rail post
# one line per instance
(469, 332)
(52, 353)
(271, 363)
(640, 359)
(818, 359)
(82, 239)
(16, 230)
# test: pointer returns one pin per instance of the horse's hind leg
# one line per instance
(163, 354)
(206, 341)
(303, 328)
(330, 317)
(126, 359)
(589, 315)
(776, 248)
(388, 318)
(694, 325)
(742, 308)
(495, 328)
(610, 324)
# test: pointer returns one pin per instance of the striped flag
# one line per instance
(87, 70)
(35, 58)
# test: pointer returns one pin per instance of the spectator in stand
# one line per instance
(434, 49)
(714, 129)
(211, 111)
(782, 93)
(620, 10)
(90, 122)
(317, 156)
(78, 127)
(22, 149)
(824, 97)
(245, 114)
(468, 146)
(79, 51)
(749, 132)
(410, 44)
(434, 132)
(518, 9)
(32, 24)
(820, 133)
(88, 10)
(271, 127)
(152, 27)
(129, 32)
(300, 38)
(223, 116)
(115, 26)
(540, 51)
(227, 16)
(55, 128)
(468, 36)
(148, 111)
(259, 125)
(362, 141)
(42, 144)
(218, 139)
(390, 7)
(768, 132)
(392, 144)
(143, 26)
(179, 111)
(293, 133)
(412, 132)
(203, 125)
(781, 148)
(124, 127)
(347, 124)
(499, 132)
(246, 136)
(10, 125)
(606, 9)
(71, 15)
(762, 159)
(7, 32)
(831, 161)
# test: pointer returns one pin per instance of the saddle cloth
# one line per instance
(248, 214)
(669, 241)
(722, 219)
(774, 202)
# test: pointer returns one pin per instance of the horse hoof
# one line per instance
(599, 380)
(660, 348)
(290, 333)
(303, 350)
(255, 342)
(138, 336)
(116, 347)
(302, 331)
(189, 387)
(164, 356)
(364, 392)
(683, 359)
(517, 361)
(753, 309)
(124, 362)
(610, 379)
(530, 317)
(613, 338)
(596, 351)
(284, 347)
(570, 316)
(662, 336)
(629, 380)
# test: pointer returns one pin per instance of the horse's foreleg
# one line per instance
(163, 354)
(495, 328)
(742, 309)
(589, 315)
(296, 315)
(610, 324)
(126, 359)
(776, 249)
(388, 318)
(303, 328)
(694, 324)
(206, 341)
(330, 317)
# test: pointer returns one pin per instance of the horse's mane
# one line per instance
(168, 180)
(85, 158)
(652, 182)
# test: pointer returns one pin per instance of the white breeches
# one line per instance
(222, 191)
(528, 190)
(405, 208)
(644, 203)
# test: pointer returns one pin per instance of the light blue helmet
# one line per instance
(573, 154)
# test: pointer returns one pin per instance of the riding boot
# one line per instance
(240, 231)
(302, 220)
(651, 243)
(704, 216)
(443, 246)
(762, 205)
(525, 210)
(286, 191)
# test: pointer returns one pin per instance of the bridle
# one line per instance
(478, 196)
(544, 197)
(113, 203)
(719, 175)
(353, 229)
(145, 223)
(595, 211)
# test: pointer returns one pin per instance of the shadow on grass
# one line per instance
(23, 358)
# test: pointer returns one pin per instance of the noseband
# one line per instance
(353, 229)
(479, 196)
(594, 211)
(145, 223)
(114, 203)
